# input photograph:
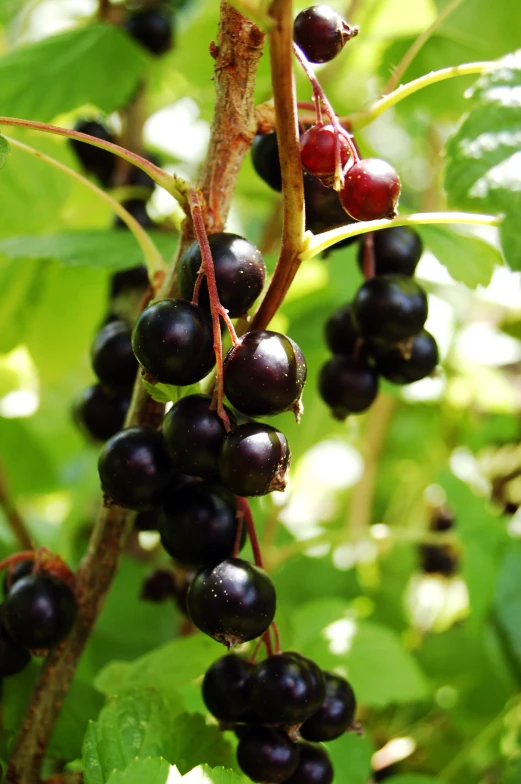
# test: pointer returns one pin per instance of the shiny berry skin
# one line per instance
(419, 363)
(158, 586)
(264, 374)
(194, 434)
(152, 28)
(13, 658)
(39, 611)
(390, 308)
(134, 468)
(348, 385)
(132, 279)
(314, 766)
(240, 273)
(371, 190)
(113, 360)
(138, 209)
(317, 151)
(232, 602)
(198, 525)
(321, 33)
(101, 413)
(336, 713)
(341, 333)
(265, 159)
(266, 754)
(254, 459)
(172, 340)
(224, 688)
(19, 570)
(101, 163)
(283, 690)
(324, 210)
(397, 251)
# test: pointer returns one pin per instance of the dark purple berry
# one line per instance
(101, 163)
(348, 385)
(138, 209)
(324, 210)
(265, 159)
(152, 28)
(158, 586)
(134, 468)
(335, 714)
(341, 333)
(147, 520)
(138, 178)
(15, 573)
(254, 459)
(397, 251)
(438, 559)
(314, 766)
(112, 357)
(240, 273)
(132, 279)
(420, 360)
(390, 308)
(264, 374)
(224, 688)
(101, 413)
(317, 151)
(232, 602)
(321, 33)
(172, 340)
(371, 190)
(13, 657)
(39, 611)
(266, 754)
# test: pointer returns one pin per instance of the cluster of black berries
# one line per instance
(440, 558)
(38, 612)
(281, 710)
(381, 332)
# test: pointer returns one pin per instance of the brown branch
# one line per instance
(12, 515)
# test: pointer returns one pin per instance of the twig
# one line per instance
(13, 516)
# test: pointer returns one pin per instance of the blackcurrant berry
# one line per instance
(371, 190)
(134, 468)
(198, 525)
(138, 209)
(265, 159)
(348, 385)
(254, 459)
(100, 163)
(419, 362)
(232, 602)
(240, 273)
(112, 357)
(321, 33)
(172, 340)
(314, 766)
(390, 308)
(266, 754)
(152, 28)
(101, 413)
(397, 251)
(264, 374)
(438, 559)
(324, 210)
(39, 611)
(442, 519)
(335, 714)
(132, 279)
(19, 570)
(224, 688)
(158, 586)
(13, 658)
(341, 333)
(147, 520)
(317, 151)
(282, 690)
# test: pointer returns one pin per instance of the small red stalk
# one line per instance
(244, 506)
(369, 260)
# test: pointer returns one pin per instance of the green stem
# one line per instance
(153, 258)
(361, 119)
(315, 244)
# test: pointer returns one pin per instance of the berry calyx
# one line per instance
(113, 360)
(198, 525)
(152, 28)
(265, 159)
(266, 754)
(224, 688)
(341, 333)
(348, 385)
(317, 151)
(232, 602)
(39, 611)
(419, 361)
(240, 273)
(314, 766)
(101, 413)
(173, 342)
(336, 713)
(283, 690)
(134, 468)
(101, 163)
(13, 658)
(321, 33)
(254, 459)
(397, 251)
(264, 374)
(390, 308)
(371, 190)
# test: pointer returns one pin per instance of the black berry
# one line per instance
(39, 611)
(240, 273)
(101, 163)
(397, 251)
(348, 385)
(264, 374)
(19, 570)
(138, 209)
(321, 33)
(112, 357)
(152, 28)
(141, 179)
(147, 520)
(371, 190)
(419, 361)
(438, 559)
(335, 714)
(232, 602)
(158, 586)
(314, 766)
(390, 308)
(317, 151)
(254, 459)
(224, 688)
(13, 658)
(341, 333)
(132, 279)
(134, 468)
(265, 159)
(100, 412)
(266, 754)
(172, 340)
(324, 210)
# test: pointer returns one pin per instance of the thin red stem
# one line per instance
(244, 505)
(276, 635)
(229, 325)
(12, 560)
(197, 287)
(369, 259)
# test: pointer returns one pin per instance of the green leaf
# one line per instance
(58, 74)
(206, 775)
(484, 155)
(152, 770)
(469, 260)
(508, 599)
(414, 778)
(4, 151)
(351, 758)
(194, 742)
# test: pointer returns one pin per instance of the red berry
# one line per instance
(371, 190)
(321, 33)
(317, 151)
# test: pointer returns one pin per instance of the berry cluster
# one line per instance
(439, 559)
(381, 332)
(281, 709)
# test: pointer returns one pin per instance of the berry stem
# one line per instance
(238, 535)
(13, 516)
(266, 639)
(369, 260)
(275, 629)
(245, 508)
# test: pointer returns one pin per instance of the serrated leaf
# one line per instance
(194, 743)
(206, 775)
(57, 74)
(153, 770)
(351, 758)
(4, 151)
(163, 393)
(469, 260)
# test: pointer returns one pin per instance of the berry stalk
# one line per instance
(13, 516)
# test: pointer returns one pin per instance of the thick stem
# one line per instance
(12, 515)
